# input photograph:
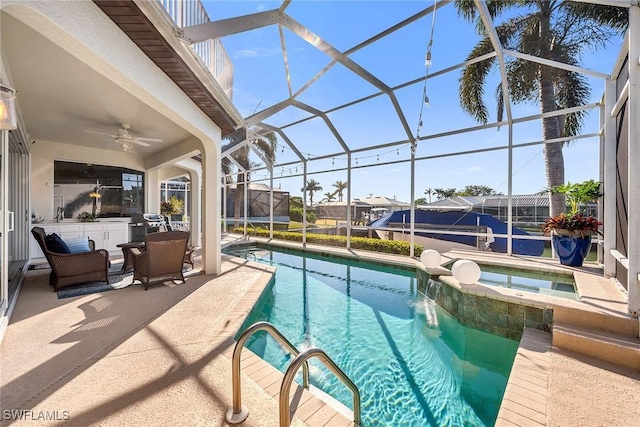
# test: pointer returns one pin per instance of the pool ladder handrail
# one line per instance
(239, 413)
(301, 360)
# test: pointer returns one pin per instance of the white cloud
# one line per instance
(256, 52)
(474, 169)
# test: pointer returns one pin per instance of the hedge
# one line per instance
(377, 245)
(296, 215)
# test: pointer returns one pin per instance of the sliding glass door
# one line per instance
(4, 222)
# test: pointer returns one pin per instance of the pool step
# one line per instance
(615, 348)
(617, 323)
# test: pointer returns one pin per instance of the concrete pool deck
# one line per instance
(162, 356)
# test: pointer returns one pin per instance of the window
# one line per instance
(104, 191)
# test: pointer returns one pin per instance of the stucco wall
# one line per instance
(83, 30)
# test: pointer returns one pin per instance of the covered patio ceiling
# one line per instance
(61, 98)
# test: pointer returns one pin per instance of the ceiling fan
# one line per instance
(125, 140)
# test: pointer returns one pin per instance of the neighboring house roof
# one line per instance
(519, 200)
(354, 202)
(382, 201)
(455, 203)
(471, 202)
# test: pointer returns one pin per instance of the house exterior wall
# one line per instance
(83, 30)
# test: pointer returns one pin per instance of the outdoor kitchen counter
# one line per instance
(76, 221)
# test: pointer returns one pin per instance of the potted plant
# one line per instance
(571, 233)
(173, 206)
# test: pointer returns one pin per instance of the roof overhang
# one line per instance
(207, 95)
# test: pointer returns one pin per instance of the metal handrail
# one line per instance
(238, 413)
(301, 359)
(255, 229)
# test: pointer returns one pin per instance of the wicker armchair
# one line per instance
(162, 259)
(72, 269)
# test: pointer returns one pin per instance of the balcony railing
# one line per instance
(188, 12)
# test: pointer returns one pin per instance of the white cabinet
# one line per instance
(116, 234)
(97, 233)
(106, 235)
(70, 231)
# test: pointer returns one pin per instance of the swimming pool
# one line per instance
(413, 363)
(530, 281)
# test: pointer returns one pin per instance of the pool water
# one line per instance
(412, 362)
(541, 283)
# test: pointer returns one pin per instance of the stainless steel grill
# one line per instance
(143, 224)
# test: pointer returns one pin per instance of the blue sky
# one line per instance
(260, 81)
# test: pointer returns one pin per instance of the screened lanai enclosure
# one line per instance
(441, 94)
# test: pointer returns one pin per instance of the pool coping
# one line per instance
(597, 294)
(526, 397)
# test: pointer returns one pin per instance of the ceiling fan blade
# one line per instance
(99, 133)
(145, 139)
(137, 141)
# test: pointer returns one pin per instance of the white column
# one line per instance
(413, 195)
(510, 192)
(609, 186)
(633, 206)
(151, 193)
(349, 201)
(224, 204)
(246, 192)
(271, 203)
(195, 209)
(211, 254)
(304, 203)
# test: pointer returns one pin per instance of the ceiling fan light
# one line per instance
(125, 144)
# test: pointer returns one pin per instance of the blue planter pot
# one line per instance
(571, 250)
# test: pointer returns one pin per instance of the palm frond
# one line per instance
(499, 93)
(267, 144)
(572, 90)
(472, 82)
(467, 10)
(522, 76)
(606, 16)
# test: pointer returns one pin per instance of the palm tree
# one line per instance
(340, 187)
(267, 144)
(312, 186)
(556, 30)
(444, 193)
(429, 192)
(329, 197)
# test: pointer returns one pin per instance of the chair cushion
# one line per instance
(79, 244)
(56, 244)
